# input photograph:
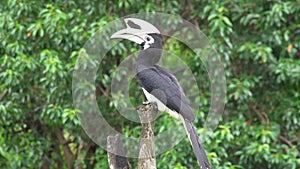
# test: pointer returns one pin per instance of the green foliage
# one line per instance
(257, 41)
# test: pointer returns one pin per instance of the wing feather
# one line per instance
(156, 78)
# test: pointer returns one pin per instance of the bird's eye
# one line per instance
(149, 39)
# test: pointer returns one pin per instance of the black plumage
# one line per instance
(165, 87)
(159, 82)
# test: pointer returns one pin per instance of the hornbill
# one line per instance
(157, 83)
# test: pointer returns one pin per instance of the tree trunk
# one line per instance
(147, 115)
(116, 153)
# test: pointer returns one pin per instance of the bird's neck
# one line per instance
(148, 58)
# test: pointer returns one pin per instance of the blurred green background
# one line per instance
(257, 41)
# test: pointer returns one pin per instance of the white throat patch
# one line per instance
(148, 41)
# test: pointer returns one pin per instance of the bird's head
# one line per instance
(141, 32)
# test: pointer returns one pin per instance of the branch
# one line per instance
(263, 116)
(286, 141)
(147, 114)
(289, 143)
(79, 155)
(67, 152)
(104, 91)
(3, 94)
(116, 153)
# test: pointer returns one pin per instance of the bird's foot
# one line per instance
(146, 102)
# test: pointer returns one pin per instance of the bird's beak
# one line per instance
(129, 34)
(136, 30)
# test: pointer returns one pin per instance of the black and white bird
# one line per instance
(158, 84)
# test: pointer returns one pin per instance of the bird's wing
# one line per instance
(190, 129)
(165, 87)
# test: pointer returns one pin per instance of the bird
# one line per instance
(157, 83)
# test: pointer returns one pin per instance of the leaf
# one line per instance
(227, 21)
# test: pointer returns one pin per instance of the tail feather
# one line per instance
(197, 146)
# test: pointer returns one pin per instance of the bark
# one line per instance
(67, 152)
(147, 114)
(116, 153)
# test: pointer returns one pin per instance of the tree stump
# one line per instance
(116, 153)
(147, 114)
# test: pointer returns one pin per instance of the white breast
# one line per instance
(161, 107)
